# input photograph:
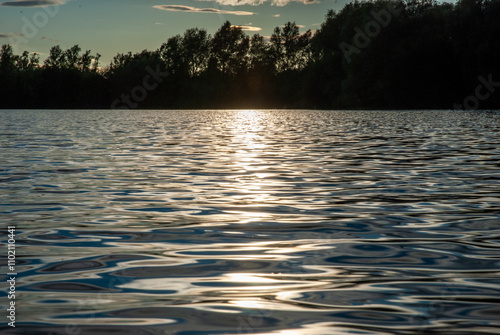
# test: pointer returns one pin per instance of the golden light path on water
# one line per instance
(249, 291)
(248, 135)
(247, 131)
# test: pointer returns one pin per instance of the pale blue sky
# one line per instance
(111, 26)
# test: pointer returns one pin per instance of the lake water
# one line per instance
(252, 222)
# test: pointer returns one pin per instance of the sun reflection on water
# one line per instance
(248, 131)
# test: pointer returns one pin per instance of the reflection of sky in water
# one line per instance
(261, 222)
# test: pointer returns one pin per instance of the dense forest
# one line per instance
(381, 54)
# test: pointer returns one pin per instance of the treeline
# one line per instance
(372, 54)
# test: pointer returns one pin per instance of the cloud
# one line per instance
(9, 35)
(49, 39)
(286, 2)
(276, 15)
(260, 2)
(188, 9)
(248, 28)
(32, 3)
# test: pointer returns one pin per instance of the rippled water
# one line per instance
(253, 222)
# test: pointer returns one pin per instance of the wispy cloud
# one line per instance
(32, 3)
(260, 2)
(249, 28)
(188, 9)
(8, 35)
(49, 39)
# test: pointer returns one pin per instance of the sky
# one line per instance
(116, 26)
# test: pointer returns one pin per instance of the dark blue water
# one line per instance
(252, 222)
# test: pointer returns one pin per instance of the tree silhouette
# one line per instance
(229, 49)
(418, 54)
(7, 59)
(289, 48)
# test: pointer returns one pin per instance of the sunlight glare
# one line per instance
(249, 136)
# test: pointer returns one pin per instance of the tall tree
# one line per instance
(259, 52)
(290, 48)
(56, 59)
(195, 46)
(229, 49)
(7, 58)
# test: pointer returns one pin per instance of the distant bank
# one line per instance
(370, 55)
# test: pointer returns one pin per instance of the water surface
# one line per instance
(253, 222)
